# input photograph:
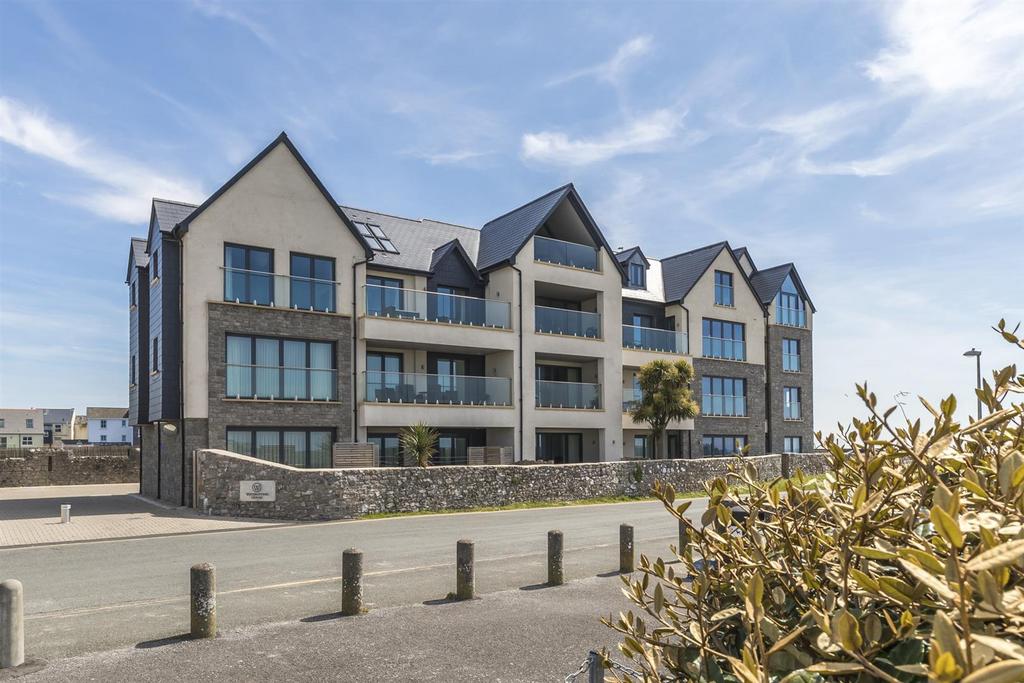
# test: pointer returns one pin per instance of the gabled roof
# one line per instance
(626, 254)
(740, 252)
(106, 413)
(183, 224)
(137, 256)
(416, 239)
(768, 282)
(55, 415)
(447, 248)
(169, 213)
(682, 271)
(505, 236)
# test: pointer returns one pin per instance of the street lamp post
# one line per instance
(977, 356)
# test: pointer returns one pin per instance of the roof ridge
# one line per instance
(781, 265)
(692, 251)
(535, 199)
(175, 201)
(406, 218)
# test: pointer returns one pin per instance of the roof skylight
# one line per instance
(376, 237)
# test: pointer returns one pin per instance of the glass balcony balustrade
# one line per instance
(548, 250)
(455, 309)
(567, 322)
(651, 339)
(409, 387)
(276, 383)
(280, 291)
(579, 395)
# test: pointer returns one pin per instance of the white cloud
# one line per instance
(612, 70)
(459, 156)
(643, 134)
(822, 127)
(125, 187)
(888, 163)
(954, 47)
(218, 10)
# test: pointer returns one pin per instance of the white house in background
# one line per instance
(108, 425)
(21, 427)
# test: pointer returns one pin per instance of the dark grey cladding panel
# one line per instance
(681, 272)
(503, 237)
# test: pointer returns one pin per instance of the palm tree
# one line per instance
(666, 397)
(419, 442)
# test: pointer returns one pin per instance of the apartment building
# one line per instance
(273, 321)
(21, 428)
(108, 425)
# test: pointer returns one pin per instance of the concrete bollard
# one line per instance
(352, 582)
(465, 584)
(595, 669)
(556, 575)
(627, 562)
(682, 538)
(204, 601)
(12, 624)
(65, 513)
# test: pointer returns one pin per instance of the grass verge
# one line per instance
(530, 505)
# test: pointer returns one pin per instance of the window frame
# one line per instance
(641, 281)
(708, 396)
(725, 285)
(791, 357)
(790, 398)
(154, 266)
(280, 440)
(738, 442)
(281, 367)
(248, 271)
(788, 442)
(708, 339)
(377, 239)
(645, 440)
(312, 280)
(156, 356)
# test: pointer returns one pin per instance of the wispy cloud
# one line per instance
(644, 134)
(454, 157)
(124, 187)
(614, 69)
(955, 47)
(220, 10)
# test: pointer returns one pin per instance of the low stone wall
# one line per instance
(345, 493)
(811, 464)
(66, 466)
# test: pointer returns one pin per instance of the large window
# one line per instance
(295, 447)
(723, 288)
(791, 403)
(790, 307)
(724, 396)
(723, 444)
(637, 276)
(312, 283)
(560, 448)
(389, 450)
(280, 369)
(383, 295)
(791, 355)
(640, 449)
(248, 275)
(724, 340)
(792, 444)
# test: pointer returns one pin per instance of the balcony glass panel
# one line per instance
(631, 396)
(411, 304)
(788, 315)
(568, 395)
(265, 382)
(565, 253)
(409, 387)
(280, 291)
(651, 339)
(568, 322)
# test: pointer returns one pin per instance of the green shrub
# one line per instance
(419, 443)
(903, 564)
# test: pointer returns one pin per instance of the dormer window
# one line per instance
(375, 237)
(637, 276)
(790, 308)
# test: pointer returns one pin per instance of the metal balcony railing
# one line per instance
(280, 291)
(280, 383)
(568, 395)
(455, 309)
(548, 250)
(409, 387)
(567, 322)
(652, 339)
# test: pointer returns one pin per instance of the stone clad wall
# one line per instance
(338, 494)
(63, 466)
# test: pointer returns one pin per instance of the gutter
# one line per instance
(181, 356)
(355, 354)
(522, 406)
(767, 387)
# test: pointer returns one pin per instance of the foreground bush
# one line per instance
(904, 564)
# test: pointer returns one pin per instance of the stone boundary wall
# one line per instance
(67, 466)
(303, 494)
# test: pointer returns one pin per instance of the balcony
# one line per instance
(793, 317)
(568, 322)
(582, 256)
(274, 383)
(426, 389)
(280, 291)
(651, 339)
(453, 309)
(574, 395)
(631, 397)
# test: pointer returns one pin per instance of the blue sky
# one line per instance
(877, 145)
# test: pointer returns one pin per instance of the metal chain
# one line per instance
(583, 668)
(639, 675)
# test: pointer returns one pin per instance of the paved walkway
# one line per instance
(31, 515)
